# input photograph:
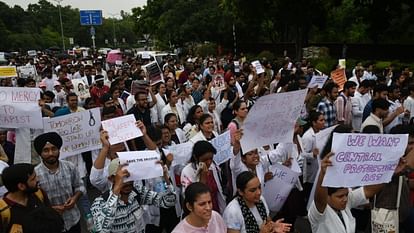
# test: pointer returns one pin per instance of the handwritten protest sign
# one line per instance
(181, 152)
(27, 71)
(141, 164)
(79, 131)
(259, 68)
(154, 72)
(339, 78)
(80, 88)
(272, 119)
(277, 189)
(317, 81)
(222, 143)
(364, 159)
(8, 71)
(19, 107)
(121, 129)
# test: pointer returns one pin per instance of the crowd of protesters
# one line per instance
(50, 194)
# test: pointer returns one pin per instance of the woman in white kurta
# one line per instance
(248, 212)
(203, 169)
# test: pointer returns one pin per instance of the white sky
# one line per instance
(108, 7)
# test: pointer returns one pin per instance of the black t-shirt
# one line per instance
(145, 116)
(19, 213)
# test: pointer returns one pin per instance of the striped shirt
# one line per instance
(60, 186)
(115, 216)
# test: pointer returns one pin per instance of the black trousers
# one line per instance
(168, 221)
(74, 229)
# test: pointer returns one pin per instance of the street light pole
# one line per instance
(61, 23)
(113, 26)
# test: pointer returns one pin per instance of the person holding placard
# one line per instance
(200, 214)
(248, 211)
(98, 175)
(193, 117)
(120, 210)
(293, 155)
(331, 209)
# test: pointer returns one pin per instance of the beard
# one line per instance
(51, 160)
(30, 190)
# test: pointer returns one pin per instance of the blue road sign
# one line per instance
(90, 17)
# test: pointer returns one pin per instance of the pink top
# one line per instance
(216, 225)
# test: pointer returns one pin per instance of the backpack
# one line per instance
(5, 212)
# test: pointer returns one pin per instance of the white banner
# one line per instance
(277, 189)
(258, 66)
(317, 81)
(272, 119)
(364, 159)
(27, 71)
(181, 152)
(222, 143)
(121, 129)
(141, 164)
(79, 131)
(19, 108)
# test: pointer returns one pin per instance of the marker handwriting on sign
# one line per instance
(364, 159)
(372, 141)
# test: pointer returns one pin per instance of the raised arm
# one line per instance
(147, 140)
(321, 193)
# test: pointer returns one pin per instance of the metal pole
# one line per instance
(235, 40)
(93, 38)
(113, 24)
(113, 27)
(61, 24)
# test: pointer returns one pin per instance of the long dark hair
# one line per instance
(203, 118)
(200, 148)
(191, 113)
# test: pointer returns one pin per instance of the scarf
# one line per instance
(249, 221)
